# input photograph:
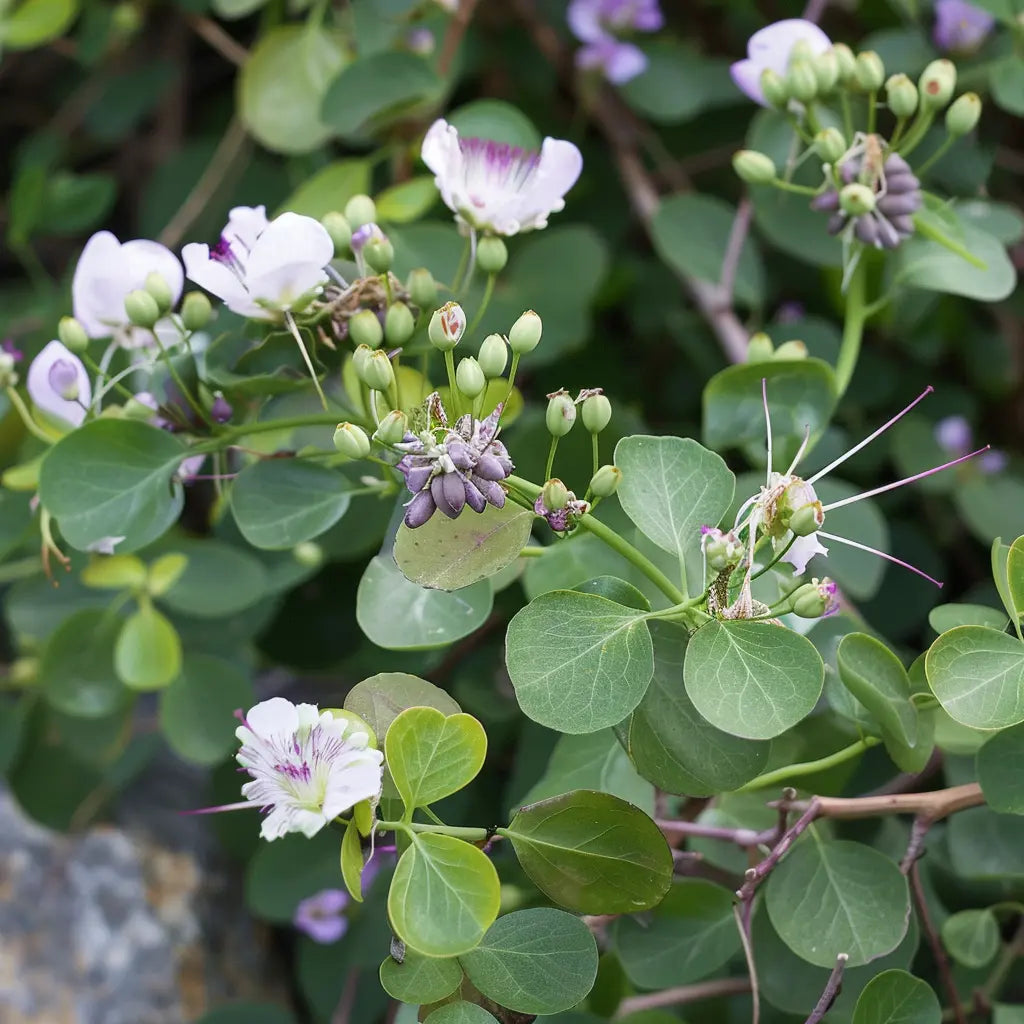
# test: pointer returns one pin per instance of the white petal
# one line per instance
(91, 300)
(274, 717)
(775, 41)
(747, 76)
(141, 257)
(559, 167)
(802, 551)
(246, 224)
(289, 239)
(348, 784)
(218, 279)
(283, 285)
(441, 153)
(45, 398)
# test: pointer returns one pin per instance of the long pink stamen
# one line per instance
(768, 429)
(243, 806)
(881, 554)
(867, 440)
(905, 480)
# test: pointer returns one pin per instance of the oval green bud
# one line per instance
(869, 74)
(422, 288)
(379, 254)
(753, 167)
(491, 255)
(525, 334)
(392, 428)
(846, 60)
(142, 308)
(469, 378)
(830, 145)
(8, 376)
(801, 81)
(360, 357)
(826, 70)
(807, 519)
(337, 226)
(351, 440)
(157, 286)
(856, 199)
(596, 412)
(72, 334)
(605, 482)
(308, 554)
(790, 350)
(196, 311)
(774, 90)
(399, 324)
(936, 84)
(963, 116)
(133, 409)
(360, 210)
(808, 602)
(378, 373)
(560, 414)
(759, 348)
(901, 95)
(554, 494)
(447, 326)
(364, 329)
(493, 355)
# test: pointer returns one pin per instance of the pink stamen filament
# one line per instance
(244, 805)
(905, 480)
(881, 554)
(867, 440)
(800, 451)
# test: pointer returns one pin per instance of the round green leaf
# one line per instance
(690, 934)
(380, 699)
(406, 201)
(977, 674)
(461, 1013)
(196, 710)
(578, 662)
(972, 937)
(113, 478)
(752, 679)
(420, 979)
(76, 671)
(945, 617)
(534, 961)
(147, 655)
(1007, 82)
(1000, 765)
(896, 997)
(218, 580)
(1015, 575)
(34, 22)
(877, 678)
(447, 554)
(497, 120)
(444, 896)
(986, 845)
(431, 755)
(592, 853)
(827, 898)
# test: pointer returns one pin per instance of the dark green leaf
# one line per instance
(896, 997)
(971, 937)
(420, 979)
(380, 699)
(76, 671)
(1000, 765)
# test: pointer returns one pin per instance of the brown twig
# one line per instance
(832, 986)
(212, 33)
(734, 246)
(742, 915)
(918, 831)
(755, 876)
(682, 995)
(935, 944)
(453, 36)
(343, 1011)
(739, 836)
(934, 806)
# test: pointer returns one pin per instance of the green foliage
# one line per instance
(896, 996)
(971, 937)
(420, 979)
(1000, 765)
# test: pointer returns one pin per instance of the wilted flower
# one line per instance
(770, 49)
(597, 22)
(322, 916)
(259, 268)
(449, 468)
(954, 434)
(721, 548)
(107, 272)
(59, 385)
(565, 518)
(960, 27)
(492, 186)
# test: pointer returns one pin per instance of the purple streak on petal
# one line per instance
(881, 554)
(63, 379)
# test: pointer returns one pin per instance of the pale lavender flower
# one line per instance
(617, 61)
(364, 234)
(829, 591)
(770, 48)
(59, 385)
(322, 916)
(8, 346)
(960, 27)
(592, 20)
(954, 434)
(492, 186)
(421, 40)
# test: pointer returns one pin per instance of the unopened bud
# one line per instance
(364, 329)
(555, 495)
(491, 255)
(722, 549)
(447, 326)
(830, 145)
(422, 288)
(605, 482)
(360, 357)
(561, 414)
(72, 334)
(379, 253)
(195, 311)
(773, 88)
(815, 599)
(826, 70)
(800, 50)
(807, 520)
(525, 334)
(801, 81)
(963, 116)
(469, 377)
(392, 428)
(351, 440)
(790, 350)
(759, 348)
(856, 199)
(596, 412)
(8, 376)
(846, 60)
(220, 409)
(157, 286)
(378, 373)
(399, 324)
(901, 95)
(869, 73)
(337, 226)
(133, 409)
(936, 84)
(493, 355)
(753, 167)
(142, 308)
(308, 554)
(360, 210)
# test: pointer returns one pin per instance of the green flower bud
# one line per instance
(360, 210)
(808, 602)
(493, 355)
(469, 378)
(597, 412)
(308, 554)
(8, 376)
(364, 329)
(525, 334)
(963, 116)
(936, 84)
(72, 334)
(422, 288)
(753, 167)
(360, 357)
(392, 428)
(800, 50)
(846, 60)
(399, 324)
(338, 227)
(830, 145)
(605, 482)
(196, 311)
(721, 548)
(773, 87)
(491, 255)
(826, 70)
(869, 73)
(759, 348)
(790, 350)
(555, 495)
(901, 95)
(378, 373)
(142, 308)
(157, 286)
(447, 326)
(801, 81)
(133, 409)
(561, 413)
(379, 254)
(351, 440)
(807, 519)
(856, 199)
(126, 19)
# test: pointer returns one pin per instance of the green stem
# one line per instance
(176, 377)
(20, 569)
(511, 380)
(936, 156)
(872, 109)
(458, 831)
(460, 269)
(792, 186)
(794, 771)
(551, 458)
(853, 328)
(917, 132)
(449, 365)
(775, 559)
(535, 551)
(901, 124)
(595, 453)
(26, 417)
(844, 101)
(294, 328)
(94, 368)
(485, 302)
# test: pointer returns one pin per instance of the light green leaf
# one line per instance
(76, 670)
(896, 997)
(448, 554)
(113, 478)
(380, 699)
(461, 1013)
(420, 979)
(218, 580)
(329, 189)
(752, 679)
(534, 961)
(578, 662)
(352, 861)
(945, 617)
(1000, 556)
(977, 674)
(877, 678)
(689, 935)
(444, 896)
(827, 898)
(1000, 764)
(1006, 79)
(1015, 575)
(592, 853)
(406, 201)
(1003, 1014)
(34, 22)
(497, 120)
(147, 655)
(971, 937)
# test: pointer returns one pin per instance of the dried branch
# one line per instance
(210, 32)
(935, 944)
(682, 995)
(831, 991)
(453, 36)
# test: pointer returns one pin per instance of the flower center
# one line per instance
(496, 167)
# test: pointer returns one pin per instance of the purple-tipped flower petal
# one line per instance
(419, 510)
(960, 27)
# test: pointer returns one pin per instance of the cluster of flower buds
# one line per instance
(594, 408)
(761, 349)
(722, 548)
